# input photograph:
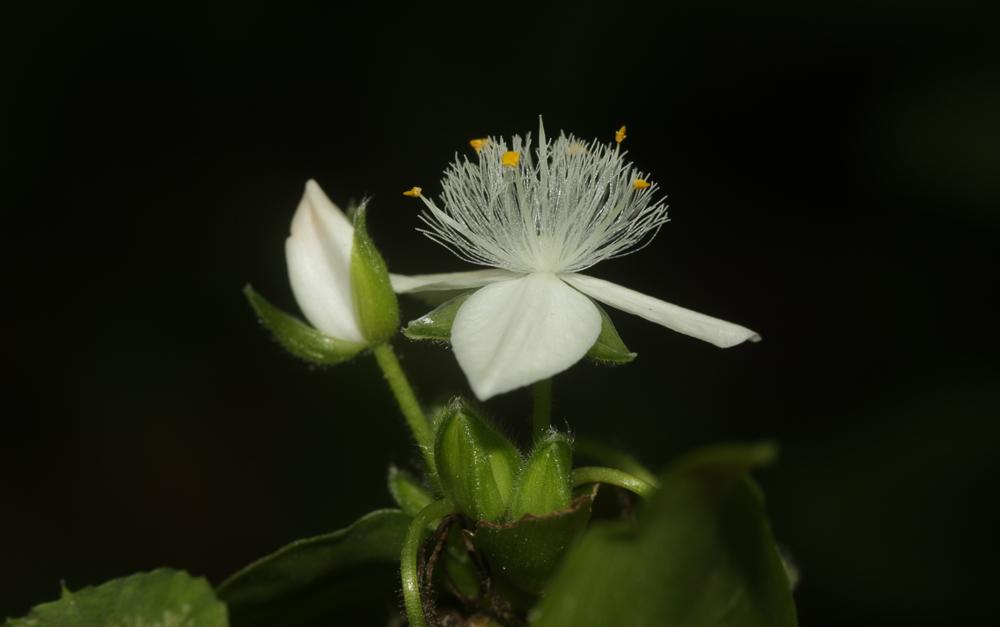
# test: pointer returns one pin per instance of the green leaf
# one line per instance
(161, 597)
(475, 464)
(609, 348)
(701, 554)
(436, 324)
(322, 578)
(407, 491)
(544, 484)
(374, 300)
(299, 338)
(526, 551)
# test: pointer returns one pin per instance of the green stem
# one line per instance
(612, 476)
(610, 456)
(408, 567)
(542, 415)
(408, 404)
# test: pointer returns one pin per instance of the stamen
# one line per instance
(479, 144)
(511, 158)
(620, 135)
(573, 204)
(413, 192)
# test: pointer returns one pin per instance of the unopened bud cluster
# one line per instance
(488, 479)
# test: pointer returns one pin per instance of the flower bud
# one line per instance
(475, 464)
(544, 485)
(337, 274)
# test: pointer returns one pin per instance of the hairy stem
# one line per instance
(542, 416)
(408, 567)
(419, 425)
(612, 476)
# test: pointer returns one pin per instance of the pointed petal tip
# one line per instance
(737, 337)
(712, 330)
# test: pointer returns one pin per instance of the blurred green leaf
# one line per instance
(734, 457)
(525, 552)
(701, 554)
(161, 597)
(609, 348)
(322, 578)
(299, 338)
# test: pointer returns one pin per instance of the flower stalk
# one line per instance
(409, 406)
(409, 568)
(541, 416)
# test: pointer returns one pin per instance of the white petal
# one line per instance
(404, 284)
(318, 253)
(513, 333)
(719, 332)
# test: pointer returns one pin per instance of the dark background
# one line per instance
(833, 178)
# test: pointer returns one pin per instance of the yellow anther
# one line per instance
(478, 144)
(620, 135)
(641, 184)
(413, 192)
(511, 158)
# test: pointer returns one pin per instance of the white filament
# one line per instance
(565, 208)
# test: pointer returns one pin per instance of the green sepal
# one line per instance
(374, 300)
(476, 465)
(160, 597)
(318, 580)
(436, 324)
(545, 483)
(407, 491)
(700, 554)
(297, 337)
(526, 551)
(609, 349)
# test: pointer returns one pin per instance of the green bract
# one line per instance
(297, 337)
(407, 491)
(475, 464)
(374, 300)
(525, 552)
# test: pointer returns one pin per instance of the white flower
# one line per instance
(539, 221)
(318, 253)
